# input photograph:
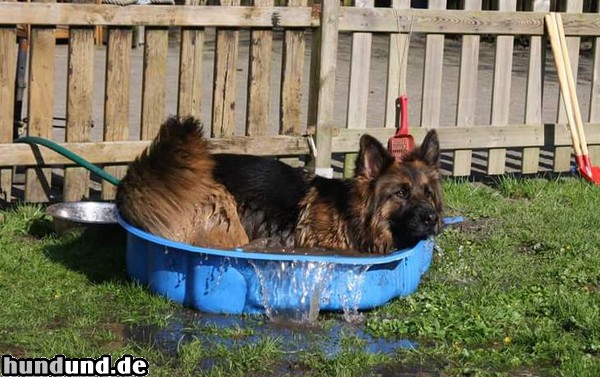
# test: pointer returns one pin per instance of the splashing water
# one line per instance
(298, 290)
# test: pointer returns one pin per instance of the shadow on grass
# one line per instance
(98, 253)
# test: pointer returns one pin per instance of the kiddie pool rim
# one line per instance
(237, 253)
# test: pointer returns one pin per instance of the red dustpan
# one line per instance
(401, 143)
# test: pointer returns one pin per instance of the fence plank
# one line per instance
(40, 106)
(189, 98)
(594, 114)
(8, 72)
(345, 140)
(467, 92)
(432, 74)
(397, 68)
(177, 15)
(474, 137)
(259, 78)
(501, 91)
(120, 152)
(292, 72)
(535, 90)
(323, 81)
(116, 100)
(562, 155)
(154, 81)
(224, 85)
(358, 90)
(80, 86)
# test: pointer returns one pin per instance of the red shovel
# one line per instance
(401, 143)
(567, 87)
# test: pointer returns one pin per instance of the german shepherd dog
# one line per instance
(178, 190)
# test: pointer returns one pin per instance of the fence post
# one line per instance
(8, 74)
(322, 84)
(562, 155)
(535, 90)
(40, 103)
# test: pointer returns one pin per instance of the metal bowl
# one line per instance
(83, 216)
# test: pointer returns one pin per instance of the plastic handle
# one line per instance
(403, 108)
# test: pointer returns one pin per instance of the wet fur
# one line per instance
(178, 190)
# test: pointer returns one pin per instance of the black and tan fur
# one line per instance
(179, 190)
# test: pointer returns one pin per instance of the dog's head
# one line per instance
(402, 201)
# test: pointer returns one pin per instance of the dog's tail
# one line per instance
(159, 188)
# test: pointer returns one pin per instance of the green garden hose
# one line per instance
(70, 155)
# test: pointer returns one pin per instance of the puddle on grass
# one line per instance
(293, 336)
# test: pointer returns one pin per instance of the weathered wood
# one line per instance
(535, 90)
(562, 155)
(224, 81)
(112, 15)
(292, 72)
(116, 98)
(474, 137)
(40, 106)
(501, 91)
(358, 91)
(8, 72)
(189, 98)
(154, 85)
(344, 141)
(351, 19)
(80, 86)
(328, 40)
(120, 152)
(432, 75)
(467, 92)
(397, 68)
(259, 78)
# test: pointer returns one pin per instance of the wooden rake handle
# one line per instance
(560, 53)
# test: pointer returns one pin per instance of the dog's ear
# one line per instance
(429, 151)
(372, 158)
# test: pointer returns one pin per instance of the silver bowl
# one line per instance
(81, 216)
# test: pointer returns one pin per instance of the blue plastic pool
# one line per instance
(236, 282)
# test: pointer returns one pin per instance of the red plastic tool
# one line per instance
(401, 143)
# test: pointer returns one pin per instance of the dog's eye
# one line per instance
(403, 192)
(428, 192)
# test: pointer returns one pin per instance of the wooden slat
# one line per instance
(292, 73)
(190, 72)
(259, 78)
(345, 140)
(112, 15)
(594, 114)
(535, 89)
(445, 21)
(467, 92)
(327, 51)
(501, 91)
(40, 106)
(116, 100)
(562, 155)
(432, 75)
(224, 85)
(8, 72)
(397, 67)
(474, 137)
(154, 81)
(351, 19)
(358, 91)
(80, 86)
(119, 152)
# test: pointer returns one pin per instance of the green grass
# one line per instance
(516, 289)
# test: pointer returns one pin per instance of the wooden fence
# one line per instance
(307, 94)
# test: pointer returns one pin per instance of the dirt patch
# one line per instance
(480, 227)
